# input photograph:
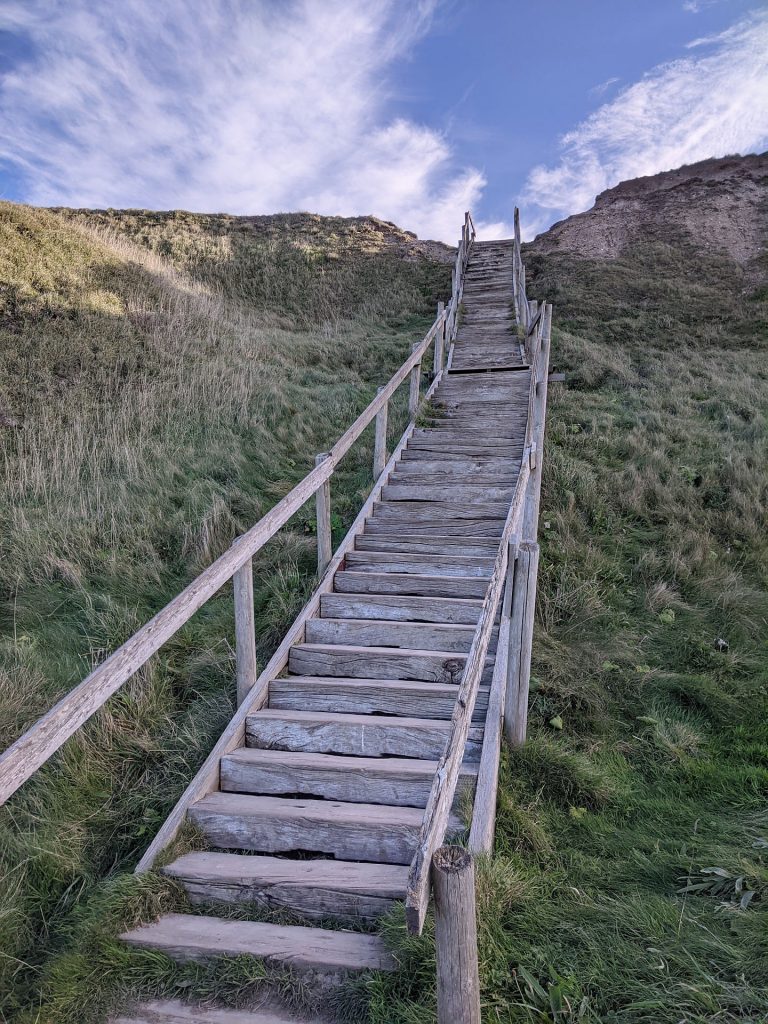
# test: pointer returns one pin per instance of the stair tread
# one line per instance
(192, 937)
(174, 1011)
(386, 880)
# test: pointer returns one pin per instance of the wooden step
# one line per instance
(467, 494)
(421, 636)
(447, 510)
(410, 584)
(421, 564)
(317, 889)
(467, 528)
(187, 937)
(369, 697)
(499, 470)
(358, 735)
(425, 545)
(371, 780)
(350, 831)
(357, 662)
(173, 1011)
(401, 608)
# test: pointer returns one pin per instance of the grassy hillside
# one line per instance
(156, 400)
(632, 826)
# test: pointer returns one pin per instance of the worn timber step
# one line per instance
(466, 493)
(445, 528)
(421, 564)
(356, 735)
(358, 662)
(369, 697)
(400, 608)
(448, 510)
(350, 831)
(409, 583)
(174, 1011)
(421, 544)
(496, 470)
(371, 780)
(319, 888)
(422, 636)
(429, 475)
(186, 937)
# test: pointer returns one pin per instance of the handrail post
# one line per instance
(323, 508)
(520, 643)
(245, 630)
(413, 395)
(380, 440)
(458, 981)
(439, 354)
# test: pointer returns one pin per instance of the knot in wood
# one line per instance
(452, 859)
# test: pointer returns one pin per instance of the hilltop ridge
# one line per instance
(717, 205)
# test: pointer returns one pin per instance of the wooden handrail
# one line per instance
(24, 757)
(436, 814)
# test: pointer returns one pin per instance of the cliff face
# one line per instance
(720, 206)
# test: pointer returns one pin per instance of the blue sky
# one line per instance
(411, 110)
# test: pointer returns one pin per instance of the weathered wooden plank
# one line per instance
(468, 528)
(465, 493)
(423, 636)
(484, 807)
(358, 735)
(419, 544)
(194, 937)
(270, 824)
(174, 1011)
(498, 469)
(400, 608)
(439, 509)
(403, 782)
(409, 583)
(341, 695)
(318, 888)
(356, 662)
(421, 564)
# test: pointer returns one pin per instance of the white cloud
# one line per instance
(704, 106)
(598, 90)
(236, 105)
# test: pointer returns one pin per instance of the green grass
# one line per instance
(163, 407)
(651, 647)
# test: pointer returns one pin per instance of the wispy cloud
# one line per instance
(248, 106)
(710, 104)
(598, 90)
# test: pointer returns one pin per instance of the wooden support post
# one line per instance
(323, 503)
(245, 630)
(413, 397)
(520, 643)
(458, 982)
(539, 412)
(380, 441)
(439, 354)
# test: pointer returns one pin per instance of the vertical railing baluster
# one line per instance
(413, 396)
(380, 440)
(439, 353)
(323, 507)
(245, 630)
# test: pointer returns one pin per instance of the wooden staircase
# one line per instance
(319, 812)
